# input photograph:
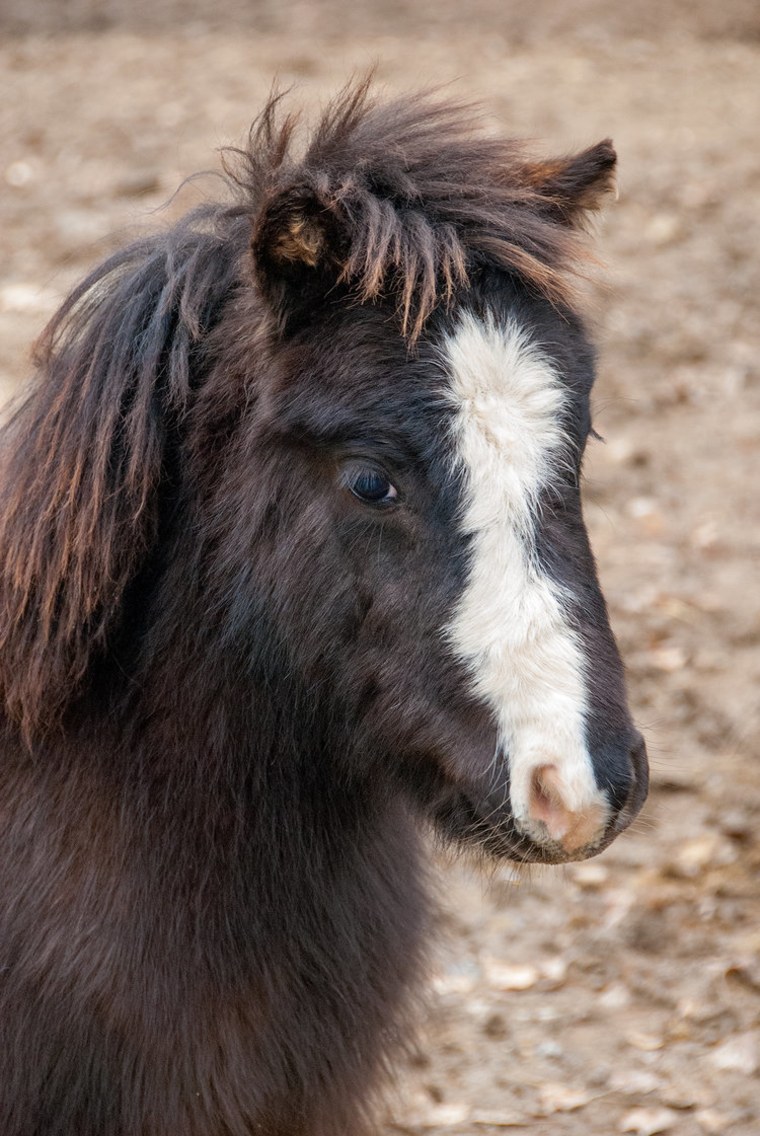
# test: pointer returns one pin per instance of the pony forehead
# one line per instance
(509, 402)
(492, 359)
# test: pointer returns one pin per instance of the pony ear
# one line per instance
(291, 231)
(299, 249)
(576, 186)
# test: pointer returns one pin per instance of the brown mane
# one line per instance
(409, 197)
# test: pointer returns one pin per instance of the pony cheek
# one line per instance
(421, 721)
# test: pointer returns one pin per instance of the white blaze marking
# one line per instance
(510, 626)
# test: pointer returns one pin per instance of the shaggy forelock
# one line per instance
(423, 197)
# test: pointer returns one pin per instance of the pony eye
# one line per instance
(370, 485)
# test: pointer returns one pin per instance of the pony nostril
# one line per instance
(546, 802)
(639, 787)
(639, 758)
(571, 824)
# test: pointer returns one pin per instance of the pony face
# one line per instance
(340, 425)
(419, 538)
(447, 552)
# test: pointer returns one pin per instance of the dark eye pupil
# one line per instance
(371, 485)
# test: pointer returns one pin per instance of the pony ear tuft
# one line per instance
(297, 245)
(576, 186)
(301, 240)
(295, 230)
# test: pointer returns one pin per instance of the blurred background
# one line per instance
(621, 995)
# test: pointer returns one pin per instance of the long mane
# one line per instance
(81, 460)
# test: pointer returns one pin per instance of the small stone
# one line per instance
(634, 1082)
(648, 1121)
(18, 174)
(458, 979)
(664, 229)
(642, 507)
(646, 513)
(501, 1119)
(668, 659)
(591, 877)
(710, 850)
(446, 1115)
(712, 1122)
(623, 451)
(680, 1097)
(739, 1054)
(615, 997)
(550, 1049)
(426, 1115)
(563, 1098)
(705, 535)
(554, 971)
(646, 1042)
(503, 976)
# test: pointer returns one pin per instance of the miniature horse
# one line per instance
(292, 561)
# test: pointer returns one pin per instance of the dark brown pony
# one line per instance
(292, 560)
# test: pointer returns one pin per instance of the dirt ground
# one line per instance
(621, 995)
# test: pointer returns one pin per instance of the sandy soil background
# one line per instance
(621, 995)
